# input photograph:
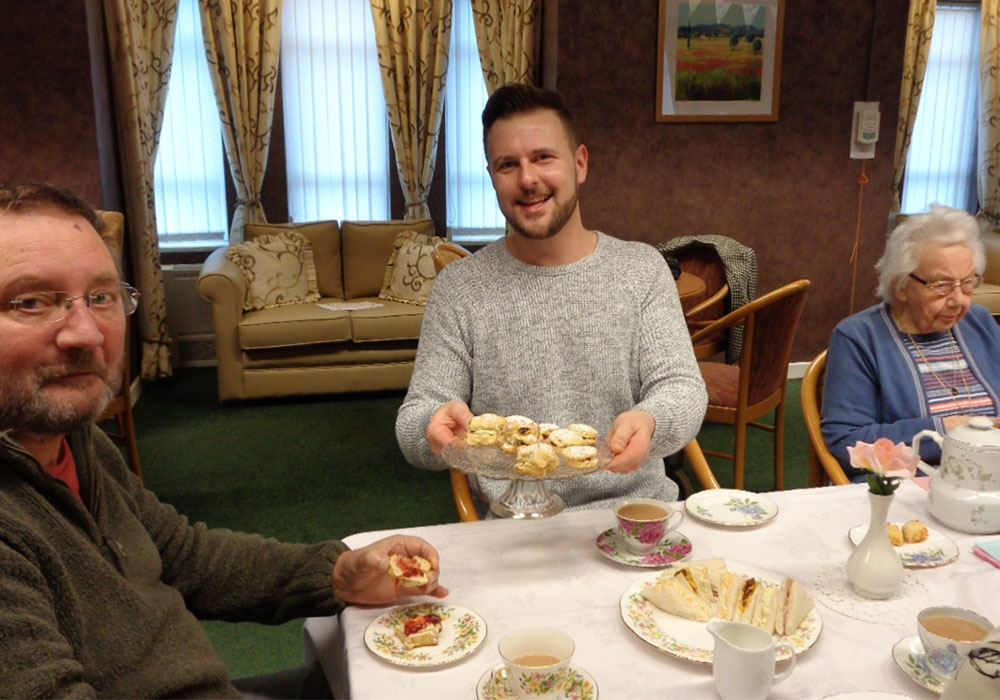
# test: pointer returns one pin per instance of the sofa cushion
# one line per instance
(988, 295)
(411, 270)
(324, 236)
(366, 248)
(278, 270)
(295, 324)
(389, 321)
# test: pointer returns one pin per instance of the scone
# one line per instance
(580, 456)
(419, 631)
(409, 572)
(914, 531)
(895, 534)
(545, 429)
(485, 429)
(519, 429)
(564, 437)
(478, 438)
(588, 434)
(536, 460)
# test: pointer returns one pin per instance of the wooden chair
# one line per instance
(467, 509)
(820, 458)
(444, 253)
(120, 408)
(739, 395)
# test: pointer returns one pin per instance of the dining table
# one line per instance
(551, 572)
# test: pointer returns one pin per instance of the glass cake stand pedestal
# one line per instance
(527, 497)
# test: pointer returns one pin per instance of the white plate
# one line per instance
(689, 639)
(462, 631)
(731, 507)
(936, 550)
(577, 684)
(674, 547)
(864, 695)
(491, 462)
(908, 653)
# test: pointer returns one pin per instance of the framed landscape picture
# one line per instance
(719, 61)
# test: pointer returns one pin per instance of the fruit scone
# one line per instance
(419, 631)
(485, 429)
(518, 431)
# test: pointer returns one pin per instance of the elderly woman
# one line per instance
(925, 357)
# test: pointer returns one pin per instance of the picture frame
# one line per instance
(719, 61)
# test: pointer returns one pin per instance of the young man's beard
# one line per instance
(25, 408)
(560, 217)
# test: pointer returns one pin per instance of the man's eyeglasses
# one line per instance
(945, 287)
(36, 308)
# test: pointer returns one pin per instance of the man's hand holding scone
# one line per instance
(363, 576)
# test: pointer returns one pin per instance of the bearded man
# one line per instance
(102, 585)
(555, 322)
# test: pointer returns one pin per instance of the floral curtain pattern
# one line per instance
(141, 42)
(920, 26)
(241, 43)
(412, 38)
(507, 32)
(988, 170)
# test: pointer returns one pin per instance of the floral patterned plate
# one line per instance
(462, 631)
(731, 507)
(576, 684)
(936, 550)
(908, 653)
(688, 639)
(674, 547)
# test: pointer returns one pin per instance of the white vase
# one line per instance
(874, 568)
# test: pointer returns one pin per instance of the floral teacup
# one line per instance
(644, 522)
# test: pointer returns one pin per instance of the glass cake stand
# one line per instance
(526, 497)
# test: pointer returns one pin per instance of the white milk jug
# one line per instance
(743, 660)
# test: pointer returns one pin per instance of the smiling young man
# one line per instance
(102, 585)
(556, 322)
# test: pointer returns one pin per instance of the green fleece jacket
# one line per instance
(104, 599)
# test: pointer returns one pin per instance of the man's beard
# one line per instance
(25, 408)
(560, 216)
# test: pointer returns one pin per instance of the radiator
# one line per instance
(189, 318)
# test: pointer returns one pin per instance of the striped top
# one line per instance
(950, 387)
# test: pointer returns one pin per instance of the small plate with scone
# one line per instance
(423, 635)
(918, 546)
(516, 447)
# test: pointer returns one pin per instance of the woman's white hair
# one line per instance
(908, 241)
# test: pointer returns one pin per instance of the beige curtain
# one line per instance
(920, 26)
(507, 32)
(241, 43)
(989, 115)
(141, 41)
(412, 38)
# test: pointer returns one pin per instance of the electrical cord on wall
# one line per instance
(862, 181)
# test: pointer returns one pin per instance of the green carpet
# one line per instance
(307, 470)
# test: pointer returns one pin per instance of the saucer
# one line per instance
(731, 507)
(576, 684)
(674, 547)
(908, 653)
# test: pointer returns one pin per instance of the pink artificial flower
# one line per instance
(885, 458)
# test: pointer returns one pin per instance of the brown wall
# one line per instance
(787, 189)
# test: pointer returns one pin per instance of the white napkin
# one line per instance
(349, 305)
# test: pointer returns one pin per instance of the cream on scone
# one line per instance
(409, 572)
(536, 460)
(419, 631)
(564, 437)
(580, 456)
(588, 434)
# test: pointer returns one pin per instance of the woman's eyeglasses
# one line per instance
(945, 287)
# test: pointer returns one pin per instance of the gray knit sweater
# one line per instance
(580, 343)
(102, 600)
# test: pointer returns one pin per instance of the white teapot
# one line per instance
(965, 490)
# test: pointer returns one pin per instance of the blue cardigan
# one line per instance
(873, 387)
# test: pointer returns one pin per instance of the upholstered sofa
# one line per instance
(301, 348)
(988, 294)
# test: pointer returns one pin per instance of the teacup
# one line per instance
(535, 659)
(644, 522)
(948, 635)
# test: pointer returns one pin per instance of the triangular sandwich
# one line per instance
(676, 597)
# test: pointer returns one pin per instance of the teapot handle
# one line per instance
(936, 437)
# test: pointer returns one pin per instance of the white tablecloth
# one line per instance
(516, 573)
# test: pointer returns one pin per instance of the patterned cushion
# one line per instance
(722, 383)
(411, 271)
(278, 270)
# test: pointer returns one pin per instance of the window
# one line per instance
(336, 126)
(473, 214)
(188, 175)
(941, 163)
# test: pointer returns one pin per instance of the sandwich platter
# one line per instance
(462, 632)
(689, 639)
(937, 550)
(489, 461)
